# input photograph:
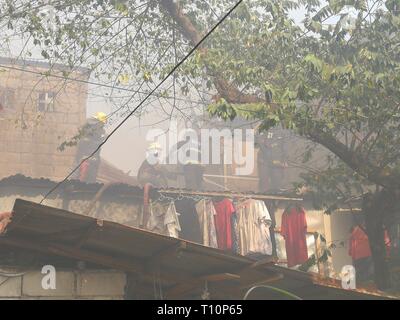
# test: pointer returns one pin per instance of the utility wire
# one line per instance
(71, 79)
(159, 95)
(147, 96)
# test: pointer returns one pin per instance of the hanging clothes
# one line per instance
(360, 252)
(294, 230)
(163, 219)
(253, 227)
(272, 208)
(146, 205)
(359, 244)
(171, 221)
(155, 221)
(189, 221)
(223, 223)
(206, 213)
(235, 234)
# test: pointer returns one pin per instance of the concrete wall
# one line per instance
(70, 284)
(340, 225)
(29, 137)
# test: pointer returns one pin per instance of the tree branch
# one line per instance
(233, 95)
(354, 160)
(227, 91)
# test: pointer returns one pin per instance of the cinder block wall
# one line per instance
(70, 284)
(30, 138)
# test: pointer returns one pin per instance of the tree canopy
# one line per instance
(332, 78)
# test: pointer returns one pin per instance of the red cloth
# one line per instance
(146, 203)
(83, 170)
(294, 229)
(359, 245)
(223, 225)
(5, 218)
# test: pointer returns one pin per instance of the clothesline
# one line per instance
(240, 226)
(228, 194)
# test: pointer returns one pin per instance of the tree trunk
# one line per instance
(374, 213)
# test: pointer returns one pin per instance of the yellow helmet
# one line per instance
(101, 116)
(154, 146)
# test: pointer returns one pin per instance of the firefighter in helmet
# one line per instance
(92, 135)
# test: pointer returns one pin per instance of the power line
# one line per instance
(141, 85)
(147, 96)
(45, 74)
(159, 95)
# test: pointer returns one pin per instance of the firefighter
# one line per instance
(150, 171)
(93, 134)
(191, 169)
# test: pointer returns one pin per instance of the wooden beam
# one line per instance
(260, 264)
(183, 288)
(74, 253)
(266, 280)
(266, 261)
(172, 251)
(86, 235)
(295, 274)
(58, 235)
(220, 277)
(217, 254)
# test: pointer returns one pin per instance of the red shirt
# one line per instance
(223, 225)
(294, 229)
(359, 244)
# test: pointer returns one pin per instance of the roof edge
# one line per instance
(42, 64)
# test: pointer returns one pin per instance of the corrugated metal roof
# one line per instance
(183, 266)
(42, 185)
(122, 188)
(108, 173)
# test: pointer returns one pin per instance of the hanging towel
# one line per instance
(171, 221)
(155, 221)
(253, 224)
(206, 213)
(189, 221)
